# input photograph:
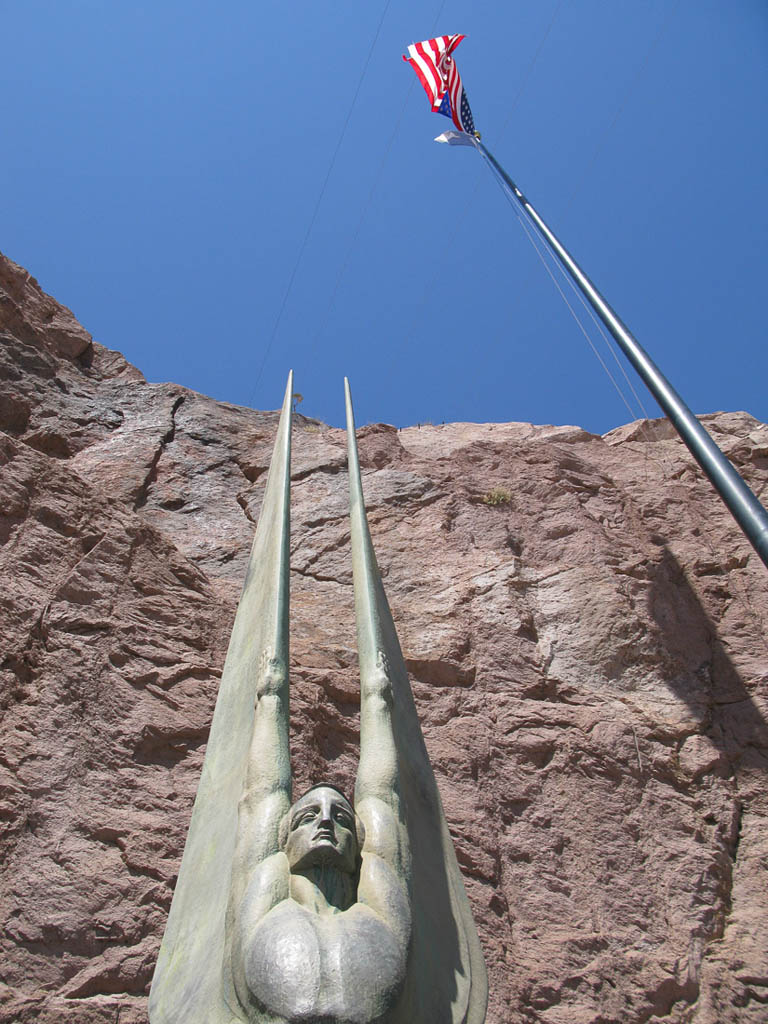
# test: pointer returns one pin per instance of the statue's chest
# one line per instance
(336, 969)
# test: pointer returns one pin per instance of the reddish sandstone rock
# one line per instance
(583, 623)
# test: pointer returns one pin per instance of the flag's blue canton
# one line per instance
(465, 116)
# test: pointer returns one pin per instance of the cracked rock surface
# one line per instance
(585, 629)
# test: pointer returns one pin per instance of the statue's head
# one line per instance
(322, 829)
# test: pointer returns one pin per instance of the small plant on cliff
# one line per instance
(498, 496)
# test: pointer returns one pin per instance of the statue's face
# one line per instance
(321, 830)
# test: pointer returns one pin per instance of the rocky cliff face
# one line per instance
(585, 631)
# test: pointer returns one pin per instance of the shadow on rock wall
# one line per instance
(703, 672)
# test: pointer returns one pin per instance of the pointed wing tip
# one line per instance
(348, 403)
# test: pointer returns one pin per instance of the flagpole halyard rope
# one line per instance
(643, 421)
(601, 330)
(741, 593)
(532, 239)
(750, 514)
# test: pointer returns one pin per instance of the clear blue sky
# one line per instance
(161, 164)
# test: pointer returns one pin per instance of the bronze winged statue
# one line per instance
(316, 911)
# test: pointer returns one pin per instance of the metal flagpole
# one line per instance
(748, 512)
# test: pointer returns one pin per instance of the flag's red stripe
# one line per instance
(425, 59)
(438, 49)
(427, 85)
(454, 84)
(431, 65)
(423, 67)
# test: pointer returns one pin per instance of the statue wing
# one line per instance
(447, 981)
(188, 986)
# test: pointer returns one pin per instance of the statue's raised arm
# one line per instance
(385, 877)
(191, 984)
(266, 787)
(446, 981)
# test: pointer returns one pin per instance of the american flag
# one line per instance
(437, 72)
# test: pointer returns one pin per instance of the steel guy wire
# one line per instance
(319, 201)
(377, 178)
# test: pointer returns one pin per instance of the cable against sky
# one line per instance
(323, 323)
(620, 109)
(531, 66)
(313, 218)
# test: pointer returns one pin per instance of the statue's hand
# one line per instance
(273, 676)
(378, 683)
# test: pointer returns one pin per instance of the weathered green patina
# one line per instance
(316, 912)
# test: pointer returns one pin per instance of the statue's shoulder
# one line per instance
(266, 886)
(269, 870)
(362, 919)
(287, 914)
